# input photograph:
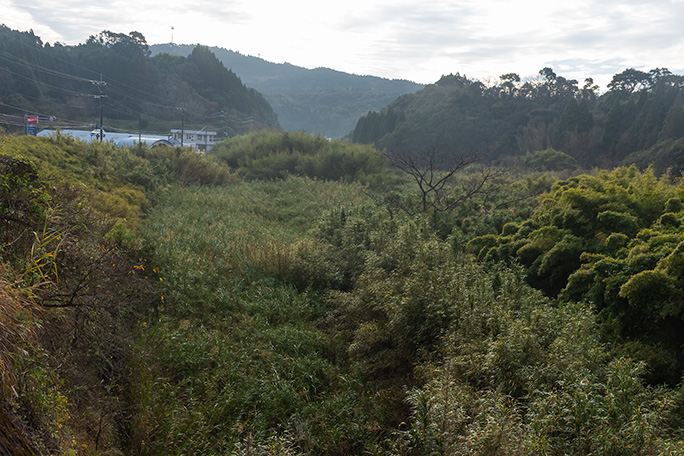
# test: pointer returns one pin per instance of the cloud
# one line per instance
(140, 15)
(74, 28)
(392, 38)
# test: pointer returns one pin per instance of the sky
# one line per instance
(395, 39)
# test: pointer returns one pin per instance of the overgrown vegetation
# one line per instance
(369, 333)
(74, 284)
(612, 240)
(283, 308)
(272, 155)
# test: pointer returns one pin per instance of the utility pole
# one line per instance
(182, 110)
(100, 85)
(205, 138)
(222, 114)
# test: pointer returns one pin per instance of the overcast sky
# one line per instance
(392, 38)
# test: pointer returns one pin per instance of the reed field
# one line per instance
(233, 357)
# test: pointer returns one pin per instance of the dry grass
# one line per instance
(16, 331)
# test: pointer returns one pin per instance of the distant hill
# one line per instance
(313, 101)
(639, 120)
(137, 90)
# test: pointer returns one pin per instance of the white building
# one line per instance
(200, 140)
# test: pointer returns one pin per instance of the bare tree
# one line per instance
(440, 191)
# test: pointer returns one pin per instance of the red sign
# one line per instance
(31, 119)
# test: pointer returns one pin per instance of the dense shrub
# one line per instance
(608, 240)
(270, 155)
(67, 307)
(548, 160)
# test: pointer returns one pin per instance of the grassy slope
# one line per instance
(71, 286)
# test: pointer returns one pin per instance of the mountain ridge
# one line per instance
(319, 100)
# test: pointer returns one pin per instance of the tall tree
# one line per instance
(630, 80)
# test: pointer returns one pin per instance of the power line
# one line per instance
(18, 60)
(25, 111)
(100, 84)
(97, 83)
(34, 66)
(45, 84)
(126, 94)
(42, 50)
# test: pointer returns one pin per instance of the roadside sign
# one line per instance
(31, 123)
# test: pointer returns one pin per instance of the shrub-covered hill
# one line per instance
(141, 92)
(458, 116)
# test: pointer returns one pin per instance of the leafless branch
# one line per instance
(438, 192)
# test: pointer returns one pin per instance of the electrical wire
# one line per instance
(34, 66)
(111, 84)
(17, 60)
(45, 83)
(42, 50)
(61, 121)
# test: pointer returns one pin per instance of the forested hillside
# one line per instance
(315, 101)
(137, 91)
(640, 119)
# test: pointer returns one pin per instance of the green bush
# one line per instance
(616, 241)
(24, 200)
(606, 239)
(548, 160)
(617, 222)
(270, 155)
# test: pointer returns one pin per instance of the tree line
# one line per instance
(638, 120)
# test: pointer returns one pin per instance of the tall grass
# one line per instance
(231, 358)
(68, 290)
(416, 349)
